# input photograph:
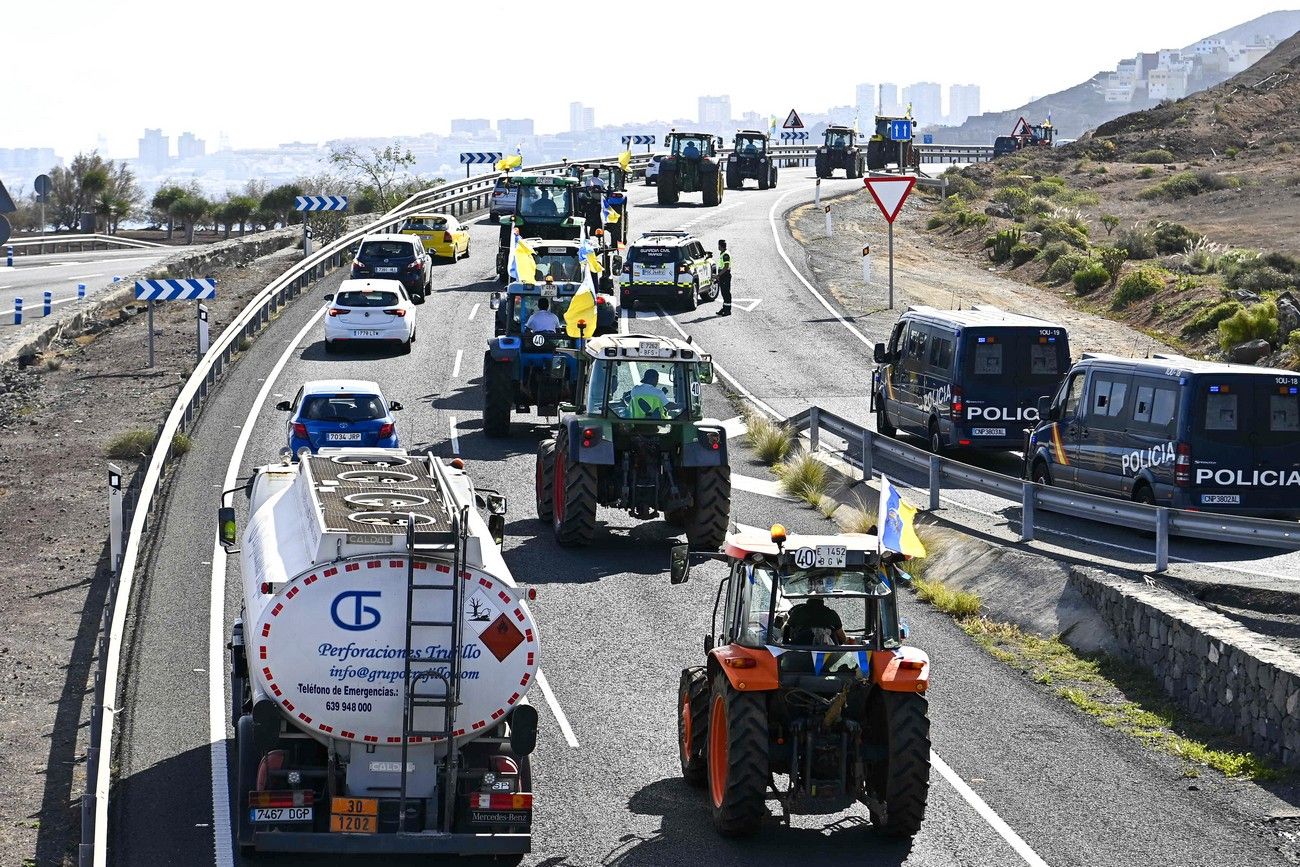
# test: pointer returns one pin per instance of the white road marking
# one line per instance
(556, 710)
(746, 304)
(763, 487)
(734, 427)
(455, 367)
(455, 440)
(622, 322)
(986, 812)
(473, 311)
(217, 707)
(83, 277)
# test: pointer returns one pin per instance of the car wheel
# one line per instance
(406, 346)
(1040, 475)
(936, 439)
(330, 347)
(693, 301)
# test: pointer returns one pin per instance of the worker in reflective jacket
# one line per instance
(724, 278)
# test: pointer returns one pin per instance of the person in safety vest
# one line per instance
(724, 278)
(647, 400)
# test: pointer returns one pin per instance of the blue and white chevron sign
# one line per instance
(474, 158)
(321, 203)
(193, 289)
(801, 135)
(638, 139)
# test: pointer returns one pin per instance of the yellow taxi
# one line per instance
(442, 234)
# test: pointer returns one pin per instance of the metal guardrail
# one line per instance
(865, 447)
(55, 241)
(459, 197)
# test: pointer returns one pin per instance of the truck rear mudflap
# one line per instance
(419, 843)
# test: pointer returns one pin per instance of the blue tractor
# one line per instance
(521, 368)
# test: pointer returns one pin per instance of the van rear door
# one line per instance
(1004, 373)
(1245, 443)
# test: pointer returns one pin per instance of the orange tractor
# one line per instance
(1025, 135)
(807, 678)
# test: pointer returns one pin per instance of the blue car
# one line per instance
(331, 413)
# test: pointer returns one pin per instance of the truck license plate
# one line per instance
(1221, 499)
(343, 437)
(280, 814)
(989, 431)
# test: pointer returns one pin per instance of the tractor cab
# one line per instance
(839, 138)
(806, 677)
(604, 208)
(750, 159)
(839, 150)
(643, 382)
(545, 207)
(690, 166)
(749, 143)
(883, 149)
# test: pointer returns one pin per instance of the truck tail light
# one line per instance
(485, 801)
(300, 430)
(385, 430)
(358, 265)
(396, 311)
(590, 436)
(711, 439)
(957, 403)
(1183, 465)
(285, 798)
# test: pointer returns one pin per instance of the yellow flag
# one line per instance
(625, 159)
(594, 264)
(513, 161)
(525, 264)
(582, 309)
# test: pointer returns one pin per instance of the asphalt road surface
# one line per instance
(1030, 781)
(31, 276)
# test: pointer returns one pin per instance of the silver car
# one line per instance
(504, 196)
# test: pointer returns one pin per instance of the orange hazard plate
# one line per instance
(354, 815)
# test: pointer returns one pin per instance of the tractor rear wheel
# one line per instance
(774, 176)
(498, 397)
(712, 189)
(544, 483)
(734, 181)
(706, 520)
(763, 179)
(667, 188)
(737, 759)
(902, 782)
(822, 165)
(574, 515)
(693, 725)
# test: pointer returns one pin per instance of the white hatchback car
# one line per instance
(652, 170)
(370, 310)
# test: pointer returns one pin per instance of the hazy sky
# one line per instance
(274, 71)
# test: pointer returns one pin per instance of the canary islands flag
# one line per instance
(522, 266)
(625, 159)
(895, 523)
(580, 318)
(514, 161)
(588, 257)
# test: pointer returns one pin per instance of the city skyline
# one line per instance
(249, 112)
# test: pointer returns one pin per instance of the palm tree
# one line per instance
(163, 201)
(241, 208)
(189, 210)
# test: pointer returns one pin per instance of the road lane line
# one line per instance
(473, 311)
(81, 277)
(455, 440)
(223, 851)
(556, 710)
(986, 813)
(455, 368)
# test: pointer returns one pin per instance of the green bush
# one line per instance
(1208, 320)
(130, 445)
(1055, 229)
(1022, 253)
(1053, 251)
(963, 186)
(1090, 278)
(1139, 284)
(1015, 197)
(1078, 198)
(1201, 256)
(1235, 264)
(1171, 237)
(1047, 188)
(1147, 172)
(1246, 269)
(1064, 267)
(1110, 221)
(936, 222)
(1184, 184)
(1258, 321)
(1037, 206)
(1112, 259)
(1000, 244)
(1155, 155)
(1138, 241)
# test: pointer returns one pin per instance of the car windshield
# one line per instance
(365, 298)
(385, 250)
(751, 145)
(852, 595)
(839, 139)
(692, 145)
(562, 264)
(643, 389)
(543, 202)
(425, 224)
(342, 407)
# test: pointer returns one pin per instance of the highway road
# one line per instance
(60, 273)
(1019, 778)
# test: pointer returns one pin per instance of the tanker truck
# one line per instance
(380, 663)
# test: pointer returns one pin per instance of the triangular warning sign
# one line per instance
(890, 193)
(792, 120)
(6, 203)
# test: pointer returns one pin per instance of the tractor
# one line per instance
(1025, 135)
(807, 681)
(750, 158)
(691, 166)
(839, 150)
(636, 439)
(607, 210)
(545, 207)
(883, 149)
(517, 366)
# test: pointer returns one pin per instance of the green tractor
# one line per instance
(839, 150)
(751, 158)
(883, 149)
(691, 166)
(545, 207)
(636, 440)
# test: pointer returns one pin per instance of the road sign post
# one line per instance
(190, 289)
(890, 193)
(114, 516)
(828, 221)
(202, 315)
(315, 203)
(866, 267)
(48, 305)
(792, 120)
(43, 185)
(18, 311)
(81, 291)
(9, 256)
(817, 192)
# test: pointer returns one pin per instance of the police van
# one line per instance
(966, 378)
(669, 266)
(1176, 432)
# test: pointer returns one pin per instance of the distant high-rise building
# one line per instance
(513, 129)
(581, 118)
(470, 125)
(865, 100)
(189, 146)
(154, 148)
(926, 99)
(715, 111)
(888, 101)
(963, 102)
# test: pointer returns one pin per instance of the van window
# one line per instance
(1284, 413)
(988, 359)
(941, 352)
(916, 343)
(1073, 393)
(1107, 397)
(1155, 404)
(1044, 359)
(1221, 412)
(896, 338)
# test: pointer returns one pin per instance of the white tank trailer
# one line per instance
(380, 664)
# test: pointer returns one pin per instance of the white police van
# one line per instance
(1173, 431)
(966, 379)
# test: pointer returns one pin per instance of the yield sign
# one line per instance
(890, 193)
(792, 120)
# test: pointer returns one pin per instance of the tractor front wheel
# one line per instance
(902, 783)
(738, 768)
(693, 724)
(574, 515)
(706, 521)
(498, 397)
(544, 483)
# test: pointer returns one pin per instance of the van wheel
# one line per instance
(883, 427)
(693, 302)
(1040, 476)
(1144, 495)
(936, 438)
